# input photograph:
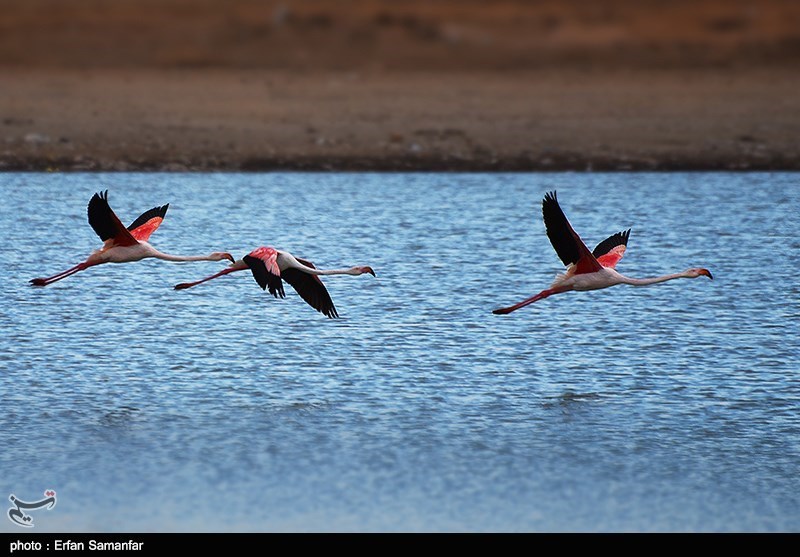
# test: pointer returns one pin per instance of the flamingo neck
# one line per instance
(653, 280)
(313, 271)
(169, 257)
(350, 271)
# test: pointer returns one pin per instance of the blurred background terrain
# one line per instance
(404, 84)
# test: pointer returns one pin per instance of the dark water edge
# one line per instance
(548, 162)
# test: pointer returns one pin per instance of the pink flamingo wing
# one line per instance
(610, 251)
(611, 258)
(148, 222)
(143, 232)
(269, 256)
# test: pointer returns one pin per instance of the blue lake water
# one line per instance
(669, 408)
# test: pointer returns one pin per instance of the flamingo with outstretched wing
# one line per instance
(588, 270)
(123, 245)
(270, 267)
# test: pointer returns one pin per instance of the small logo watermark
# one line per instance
(18, 515)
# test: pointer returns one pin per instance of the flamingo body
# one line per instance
(121, 244)
(125, 254)
(588, 270)
(271, 267)
(596, 280)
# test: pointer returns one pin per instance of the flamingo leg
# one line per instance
(62, 275)
(541, 295)
(185, 285)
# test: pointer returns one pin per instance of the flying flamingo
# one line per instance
(587, 270)
(270, 265)
(120, 244)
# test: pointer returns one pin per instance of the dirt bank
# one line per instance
(254, 85)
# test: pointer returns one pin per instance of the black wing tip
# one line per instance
(331, 312)
(616, 239)
(277, 290)
(159, 212)
(312, 291)
(550, 198)
(550, 203)
(155, 212)
(100, 196)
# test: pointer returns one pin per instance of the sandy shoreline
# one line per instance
(373, 85)
(255, 120)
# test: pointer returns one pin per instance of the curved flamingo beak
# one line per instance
(229, 257)
(369, 270)
(707, 273)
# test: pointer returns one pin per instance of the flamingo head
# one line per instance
(697, 271)
(220, 255)
(362, 270)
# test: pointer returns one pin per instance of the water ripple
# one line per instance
(671, 408)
